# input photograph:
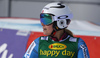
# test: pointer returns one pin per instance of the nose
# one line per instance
(42, 24)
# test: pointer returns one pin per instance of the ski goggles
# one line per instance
(46, 19)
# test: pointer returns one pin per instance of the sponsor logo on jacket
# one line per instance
(57, 46)
(57, 49)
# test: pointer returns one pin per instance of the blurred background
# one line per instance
(82, 9)
(19, 24)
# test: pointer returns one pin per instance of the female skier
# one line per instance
(59, 42)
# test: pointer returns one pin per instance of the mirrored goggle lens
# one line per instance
(46, 19)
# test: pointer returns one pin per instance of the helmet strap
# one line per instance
(53, 33)
(56, 28)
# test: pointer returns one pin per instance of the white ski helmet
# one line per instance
(57, 13)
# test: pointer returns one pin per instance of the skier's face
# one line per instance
(47, 29)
